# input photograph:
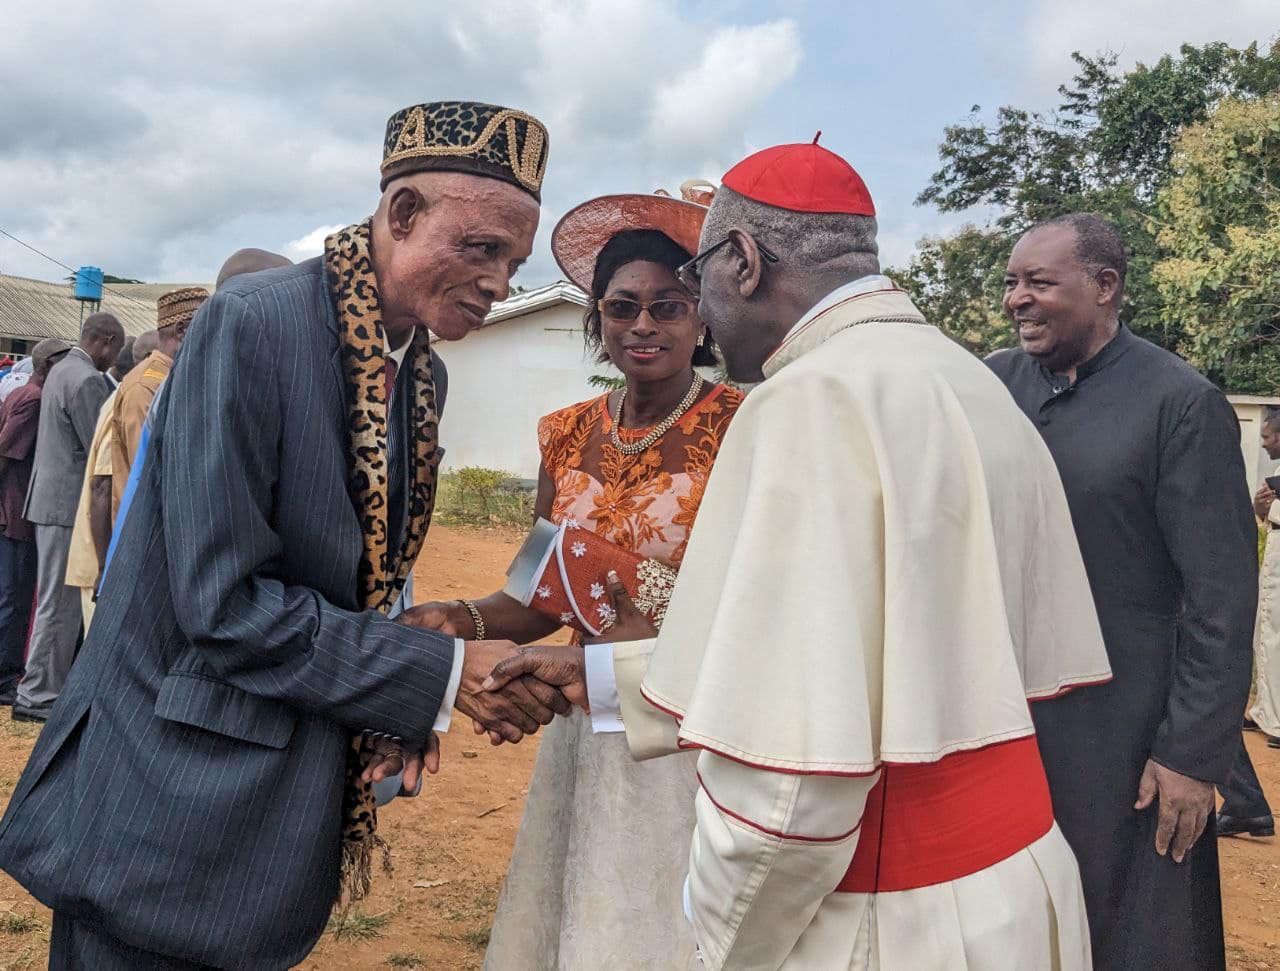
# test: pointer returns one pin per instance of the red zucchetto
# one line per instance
(801, 178)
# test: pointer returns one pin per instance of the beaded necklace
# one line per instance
(658, 430)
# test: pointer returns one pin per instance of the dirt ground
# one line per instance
(451, 845)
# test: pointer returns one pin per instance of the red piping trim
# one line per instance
(774, 832)
(830, 773)
(834, 306)
(695, 746)
(1067, 688)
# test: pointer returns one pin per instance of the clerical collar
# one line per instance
(870, 298)
(866, 284)
(1108, 355)
(1113, 349)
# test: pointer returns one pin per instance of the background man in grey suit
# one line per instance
(189, 803)
(19, 424)
(73, 395)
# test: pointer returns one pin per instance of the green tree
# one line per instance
(1106, 148)
(108, 279)
(1220, 276)
(956, 282)
(607, 382)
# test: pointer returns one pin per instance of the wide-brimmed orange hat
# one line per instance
(579, 237)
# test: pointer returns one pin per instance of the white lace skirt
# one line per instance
(600, 860)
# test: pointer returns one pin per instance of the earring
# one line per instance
(702, 338)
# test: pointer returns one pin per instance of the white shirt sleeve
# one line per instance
(602, 689)
(444, 717)
(767, 848)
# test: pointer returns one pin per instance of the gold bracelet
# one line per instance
(476, 619)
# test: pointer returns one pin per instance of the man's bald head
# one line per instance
(100, 325)
(101, 338)
(250, 260)
(145, 344)
(124, 360)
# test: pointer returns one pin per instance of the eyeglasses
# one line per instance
(690, 274)
(666, 311)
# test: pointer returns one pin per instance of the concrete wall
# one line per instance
(503, 378)
(1257, 465)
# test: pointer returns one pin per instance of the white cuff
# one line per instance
(602, 689)
(444, 717)
(688, 904)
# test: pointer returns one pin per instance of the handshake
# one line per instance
(507, 691)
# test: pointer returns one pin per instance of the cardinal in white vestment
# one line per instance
(882, 577)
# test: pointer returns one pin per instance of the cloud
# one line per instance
(703, 108)
(156, 141)
(1136, 30)
(311, 244)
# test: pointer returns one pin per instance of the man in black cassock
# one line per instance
(1149, 453)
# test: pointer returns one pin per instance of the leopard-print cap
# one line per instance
(466, 136)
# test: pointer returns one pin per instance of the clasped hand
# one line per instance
(518, 708)
(509, 691)
(565, 667)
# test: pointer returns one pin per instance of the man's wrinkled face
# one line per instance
(1271, 438)
(466, 240)
(1051, 297)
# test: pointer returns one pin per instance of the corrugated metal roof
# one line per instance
(531, 300)
(36, 309)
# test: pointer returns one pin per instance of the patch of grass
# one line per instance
(11, 923)
(19, 729)
(27, 959)
(355, 925)
(478, 938)
(471, 902)
(405, 960)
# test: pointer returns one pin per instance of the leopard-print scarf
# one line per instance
(383, 570)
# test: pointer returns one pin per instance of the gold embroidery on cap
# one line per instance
(529, 166)
(413, 134)
(530, 163)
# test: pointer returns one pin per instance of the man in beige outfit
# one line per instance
(1266, 639)
(96, 512)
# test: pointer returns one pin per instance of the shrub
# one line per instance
(473, 496)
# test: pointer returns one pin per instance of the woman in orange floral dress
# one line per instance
(596, 875)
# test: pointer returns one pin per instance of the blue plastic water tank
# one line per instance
(88, 283)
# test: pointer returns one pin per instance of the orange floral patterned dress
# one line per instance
(647, 502)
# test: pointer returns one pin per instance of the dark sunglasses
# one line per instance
(666, 311)
(690, 274)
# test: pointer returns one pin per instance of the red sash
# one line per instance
(931, 823)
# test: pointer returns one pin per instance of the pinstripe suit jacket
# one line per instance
(185, 793)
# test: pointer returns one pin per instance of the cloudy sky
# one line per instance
(153, 138)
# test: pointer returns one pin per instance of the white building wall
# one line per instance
(506, 376)
(1249, 410)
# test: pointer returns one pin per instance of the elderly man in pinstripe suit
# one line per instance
(196, 798)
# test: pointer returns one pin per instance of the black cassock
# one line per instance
(1149, 453)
